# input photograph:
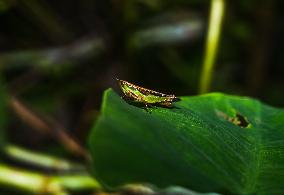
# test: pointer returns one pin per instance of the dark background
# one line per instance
(59, 56)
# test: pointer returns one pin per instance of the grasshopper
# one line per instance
(146, 96)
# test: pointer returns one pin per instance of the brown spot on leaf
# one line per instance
(238, 119)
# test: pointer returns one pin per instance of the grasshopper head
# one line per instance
(123, 85)
(120, 82)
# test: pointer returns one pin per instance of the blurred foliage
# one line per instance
(57, 58)
(3, 114)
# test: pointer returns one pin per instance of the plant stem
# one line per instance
(42, 184)
(40, 160)
(215, 24)
(47, 125)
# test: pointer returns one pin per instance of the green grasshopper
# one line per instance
(146, 96)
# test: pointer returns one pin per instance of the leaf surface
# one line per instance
(201, 144)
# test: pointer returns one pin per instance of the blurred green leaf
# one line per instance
(152, 190)
(177, 190)
(213, 142)
(55, 59)
(168, 29)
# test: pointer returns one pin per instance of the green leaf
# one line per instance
(152, 190)
(176, 190)
(213, 142)
(167, 29)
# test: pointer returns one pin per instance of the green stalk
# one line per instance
(41, 160)
(42, 184)
(215, 24)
